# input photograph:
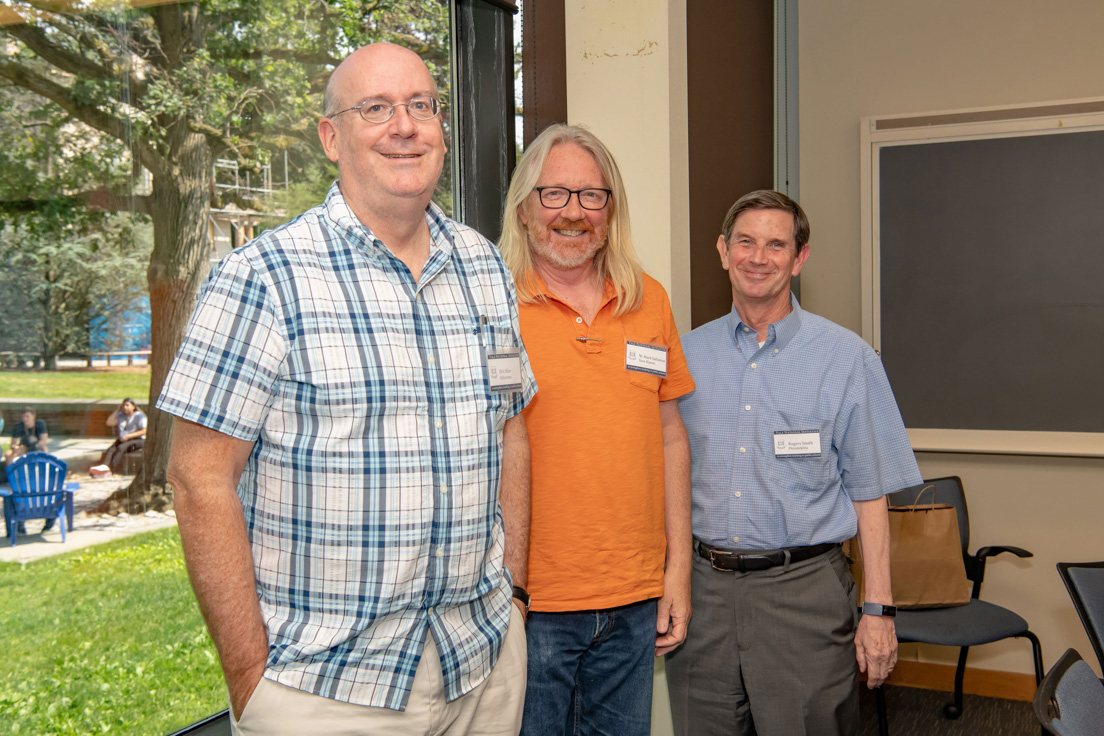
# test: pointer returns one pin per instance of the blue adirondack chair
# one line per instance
(37, 482)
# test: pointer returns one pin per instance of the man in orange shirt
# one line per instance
(610, 538)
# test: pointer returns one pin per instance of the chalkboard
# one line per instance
(983, 274)
(992, 281)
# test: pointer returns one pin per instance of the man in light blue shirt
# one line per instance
(795, 439)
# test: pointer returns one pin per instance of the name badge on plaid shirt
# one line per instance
(504, 369)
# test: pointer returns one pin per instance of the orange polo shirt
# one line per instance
(597, 532)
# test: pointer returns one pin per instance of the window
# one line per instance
(143, 139)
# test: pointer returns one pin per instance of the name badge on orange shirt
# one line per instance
(645, 358)
(504, 369)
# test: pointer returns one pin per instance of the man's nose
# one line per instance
(401, 122)
(573, 210)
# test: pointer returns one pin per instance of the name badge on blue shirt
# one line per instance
(797, 443)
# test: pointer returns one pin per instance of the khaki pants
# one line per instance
(492, 708)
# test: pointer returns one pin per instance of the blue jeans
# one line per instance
(590, 672)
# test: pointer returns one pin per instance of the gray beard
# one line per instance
(563, 261)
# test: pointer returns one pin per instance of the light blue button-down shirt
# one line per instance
(813, 377)
(371, 495)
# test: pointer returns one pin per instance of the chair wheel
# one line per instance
(951, 711)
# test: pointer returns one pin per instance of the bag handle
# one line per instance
(915, 501)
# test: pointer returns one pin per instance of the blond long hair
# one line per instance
(616, 260)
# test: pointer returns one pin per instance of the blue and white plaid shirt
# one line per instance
(371, 494)
(811, 375)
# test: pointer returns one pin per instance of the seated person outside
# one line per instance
(130, 425)
(29, 435)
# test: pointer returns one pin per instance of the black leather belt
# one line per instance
(733, 560)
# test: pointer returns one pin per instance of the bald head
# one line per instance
(345, 86)
(388, 169)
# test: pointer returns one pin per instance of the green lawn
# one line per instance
(107, 639)
(76, 384)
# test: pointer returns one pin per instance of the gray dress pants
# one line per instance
(769, 652)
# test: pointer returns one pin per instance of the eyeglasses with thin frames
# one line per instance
(380, 111)
(556, 198)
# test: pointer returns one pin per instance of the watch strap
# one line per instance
(878, 609)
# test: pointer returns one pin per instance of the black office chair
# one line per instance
(1070, 700)
(1085, 583)
(977, 622)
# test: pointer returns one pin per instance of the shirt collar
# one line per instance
(441, 228)
(608, 293)
(782, 331)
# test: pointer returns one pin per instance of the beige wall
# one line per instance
(626, 81)
(886, 57)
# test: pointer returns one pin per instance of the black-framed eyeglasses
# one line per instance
(376, 110)
(556, 198)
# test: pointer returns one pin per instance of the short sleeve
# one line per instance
(875, 454)
(227, 366)
(678, 381)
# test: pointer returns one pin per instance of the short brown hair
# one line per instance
(766, 199)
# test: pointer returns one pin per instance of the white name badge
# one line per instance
(646, 358)
(797, 443)
(504, 369)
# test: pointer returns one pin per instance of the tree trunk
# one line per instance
(181, 246)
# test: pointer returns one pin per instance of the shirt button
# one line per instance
(578, 320)
(430, 611)
(444, 489)
(776, 351)
(438, 424)
(440, 553)
(747, 407)
(737, 494)
(753, 365)
(747, 329)
(742, 451)
(735, 539)
(431, 360)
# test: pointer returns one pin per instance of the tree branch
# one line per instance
(90, 115)
(110, 70)
(64, 59)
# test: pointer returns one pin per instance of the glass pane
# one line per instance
(141, 141)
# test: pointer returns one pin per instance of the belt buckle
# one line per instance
(713, 555)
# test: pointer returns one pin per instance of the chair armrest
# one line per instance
(39, 494)
(998, 549)
(975, 564)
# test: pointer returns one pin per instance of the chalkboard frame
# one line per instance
(879, 132)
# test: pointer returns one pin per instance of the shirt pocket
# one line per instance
(799, 475)
(647, 381)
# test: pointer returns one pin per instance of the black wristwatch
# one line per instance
(878, 609)
(522, 595)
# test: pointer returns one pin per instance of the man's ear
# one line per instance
(327, 133)
(800, 260)
(722, 248)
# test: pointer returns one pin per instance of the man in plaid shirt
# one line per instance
(349, 463)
